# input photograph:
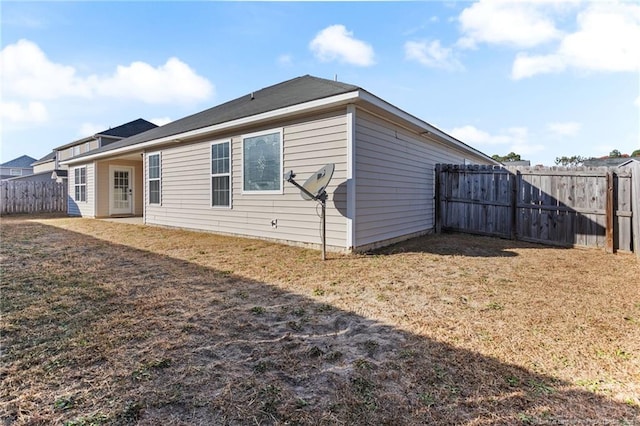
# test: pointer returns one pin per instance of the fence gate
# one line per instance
(552, 205)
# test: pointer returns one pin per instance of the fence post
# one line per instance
(514, 182)
(609, 215)
(438, 195)
(635, 206)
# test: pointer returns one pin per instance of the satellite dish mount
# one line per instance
(315, 189)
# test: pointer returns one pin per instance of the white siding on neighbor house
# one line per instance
(81, 208)
(308, 145)
(394, 175)
(44, 167)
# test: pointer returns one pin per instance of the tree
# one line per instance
(512, 156)
(615, 154)
(575, 160)
(636, 153)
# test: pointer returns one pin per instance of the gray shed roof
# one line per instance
(291, 92)
(22, 162)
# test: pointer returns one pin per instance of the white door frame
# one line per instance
(113, 210)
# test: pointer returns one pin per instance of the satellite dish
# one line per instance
(315, 189)
(317, 182)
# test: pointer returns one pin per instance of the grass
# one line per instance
(106, 323)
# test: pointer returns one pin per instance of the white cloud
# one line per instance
(431, 54)
(527, 66)
(33, 112)
(285, 60)
(160, 121)
(172, 82)
(514, 139)
(28, 73)
(521, 24)
(637, 101)
(90, 129)
(565, 129)
(336, 43)
(606, 40)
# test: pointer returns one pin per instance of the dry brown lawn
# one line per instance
(106, 323)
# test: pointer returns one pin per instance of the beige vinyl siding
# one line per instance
(80, 208)
(44, 167)
(67, 153)
(395, 179)
(104, 185)
(308, 145)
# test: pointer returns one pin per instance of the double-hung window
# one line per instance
(153, 161)
(221, 174)
(262, 162)
(80, 184)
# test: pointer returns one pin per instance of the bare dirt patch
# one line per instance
(108, 323)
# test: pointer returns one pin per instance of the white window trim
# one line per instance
(15, 172)
(75, 184)
(278, 130)
(212, 175)
(75, 150)
(159, 178)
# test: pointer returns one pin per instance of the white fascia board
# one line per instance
(374, 100)
(344, 98)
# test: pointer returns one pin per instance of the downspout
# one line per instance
(351, 175)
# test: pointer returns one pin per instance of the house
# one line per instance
(50, 163)
(20, 166)
(630, 162)
(221, 170)
(609, 161)
(519, 163)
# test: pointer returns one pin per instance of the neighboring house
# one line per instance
(20, 166)
(609, 162)
(630, 161)
(51, 162)
(43, 177)
(221, 170)
(519, 163)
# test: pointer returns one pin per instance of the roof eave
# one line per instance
(354, 96)
(430, 131)
(305, 107)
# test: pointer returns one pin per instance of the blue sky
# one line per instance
(544, 79)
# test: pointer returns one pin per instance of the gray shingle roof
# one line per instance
(607, 162)
(22, 162)
(129, 129)
(288, 93)
(123, 131)
(49, 157)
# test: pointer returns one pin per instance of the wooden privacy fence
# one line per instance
(32, 197)
(595, 207)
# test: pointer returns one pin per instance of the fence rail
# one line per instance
(32, 197)
(557, 206)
